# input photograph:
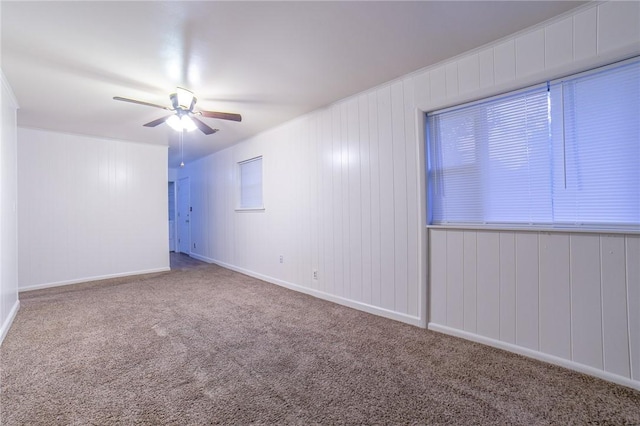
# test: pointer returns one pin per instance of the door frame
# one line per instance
(183, 189)
(174, 193)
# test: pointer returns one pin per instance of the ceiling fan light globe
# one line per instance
(187, 123)
(175, 123)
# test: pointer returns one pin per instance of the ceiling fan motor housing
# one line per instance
(182, 108)
(183, 99)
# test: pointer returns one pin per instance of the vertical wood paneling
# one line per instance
(304, 168)
(618, 25)
(507, 287)
(527, 309)
(585, 36)
(504, 62)
(452, 79)
(318, 195)
(59, 186)
(9, 177)
(488, 281)
(387, 222)
(486, 68)
(355, 202)
(400, 232)
(327, 271)
(365, 198)
(555, 295)
(633, 302)
(414, 222)
(337, 207)
(106, 205)
(344, 165)
(586, 312)
(469, 74)
(530, 53)
(574, 296)
(455, 288)
(614, 305)
(376, 223)
(422, 88)
(469, 273)
(438, 276)
(314, 207)
(558, 43)
(85, 182)
(438, 84)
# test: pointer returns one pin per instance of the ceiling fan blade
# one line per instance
(133, 101)
(221, 115)
(154, 123)
(203, 127)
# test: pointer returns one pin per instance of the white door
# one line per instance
(184, 216)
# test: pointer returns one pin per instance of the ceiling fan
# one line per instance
(183, 117)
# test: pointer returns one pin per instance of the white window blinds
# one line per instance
(562, 154)
(487, 161)
(596, 169)
(251, 184)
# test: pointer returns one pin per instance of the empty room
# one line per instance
(301, 212)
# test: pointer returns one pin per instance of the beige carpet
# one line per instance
(206, 345)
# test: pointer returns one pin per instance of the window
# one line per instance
(565, 154)
(250, 174)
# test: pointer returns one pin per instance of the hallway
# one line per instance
(182, 261)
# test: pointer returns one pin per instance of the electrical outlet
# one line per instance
(315, 274)
(281, 259)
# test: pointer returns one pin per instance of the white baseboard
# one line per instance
(319, 294)
(93, 278)
(6, 325)
(551, 359)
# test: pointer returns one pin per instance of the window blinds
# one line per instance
(596, 168)
(563, 154)
(251, 184)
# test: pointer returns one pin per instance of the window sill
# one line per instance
(249, 209)
(566, 229)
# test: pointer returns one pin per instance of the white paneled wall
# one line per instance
(343, 195)
(89, 208)
(573, 297)
(8, 208)
(340, 196)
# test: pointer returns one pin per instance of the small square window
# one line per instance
(250, 174)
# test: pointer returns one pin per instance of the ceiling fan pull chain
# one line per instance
(182, 148)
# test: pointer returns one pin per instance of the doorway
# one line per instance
(184, 216)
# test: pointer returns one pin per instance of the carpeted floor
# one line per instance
(203, 345)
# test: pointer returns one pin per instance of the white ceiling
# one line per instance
(269, 61)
